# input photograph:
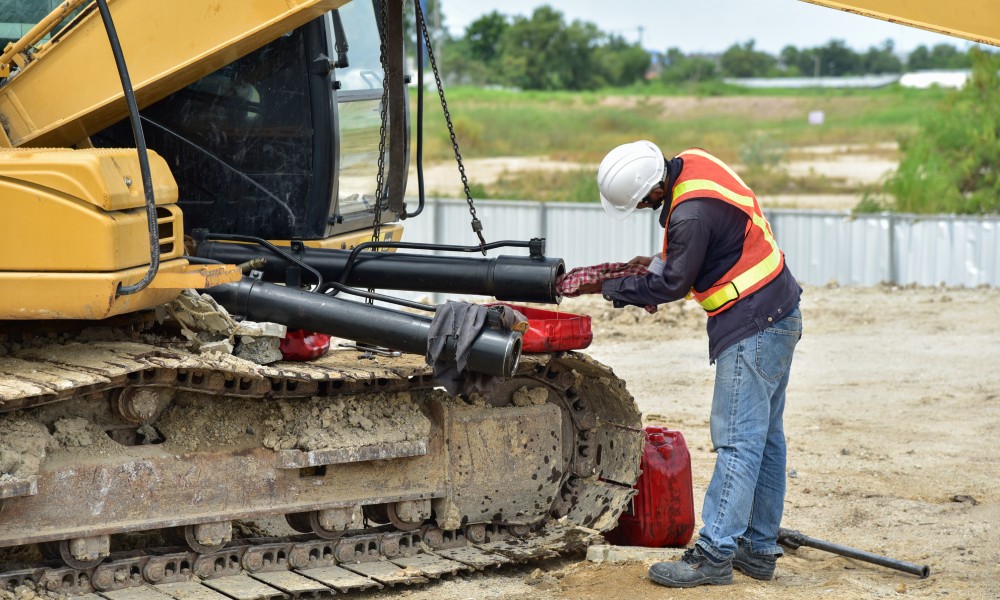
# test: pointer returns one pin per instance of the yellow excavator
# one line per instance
(183, 185)
(155, 263)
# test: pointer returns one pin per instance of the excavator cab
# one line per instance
(282, 143)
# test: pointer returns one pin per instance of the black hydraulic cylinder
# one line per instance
(507, 278)
(493, 352)
(793, 539)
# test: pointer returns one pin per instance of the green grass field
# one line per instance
(757, 128)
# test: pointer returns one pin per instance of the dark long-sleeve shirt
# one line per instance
(705, 241)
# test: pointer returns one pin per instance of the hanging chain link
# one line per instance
(477, 225)
(384, 119)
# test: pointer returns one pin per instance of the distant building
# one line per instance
(953, 79)
(942, 78)
(859, 81)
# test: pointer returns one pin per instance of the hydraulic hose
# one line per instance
(420, 115)
(140, 146)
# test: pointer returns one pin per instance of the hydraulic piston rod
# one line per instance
(507, 278)
(493, 352)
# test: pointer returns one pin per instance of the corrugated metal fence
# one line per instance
(820, 247)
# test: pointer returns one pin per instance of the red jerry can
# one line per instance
(552, 331)
(299, 344)
(662, 513)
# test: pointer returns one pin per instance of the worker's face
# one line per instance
(652, 198)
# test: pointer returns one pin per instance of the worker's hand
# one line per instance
(641, 260)
(591, 288)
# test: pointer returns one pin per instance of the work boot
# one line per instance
(758, 566)
(694, 568)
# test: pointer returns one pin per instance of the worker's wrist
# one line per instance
(609, 288)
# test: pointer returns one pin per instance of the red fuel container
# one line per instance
(299, 344)
(662, 513)
(551, 331)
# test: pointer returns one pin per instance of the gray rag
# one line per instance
(462, 322)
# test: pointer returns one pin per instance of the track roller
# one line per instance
(328, 524)
(204, 538)
(408, 515)
(78, 553)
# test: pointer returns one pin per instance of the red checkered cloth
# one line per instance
(568, 284)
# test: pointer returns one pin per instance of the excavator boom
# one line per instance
(976, 20)
(160, 63)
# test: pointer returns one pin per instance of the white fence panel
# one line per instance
(584, 236)
(957, 251)
(820, 246)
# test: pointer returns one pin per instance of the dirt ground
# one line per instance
(891, 421)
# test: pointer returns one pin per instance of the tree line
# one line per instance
(544, 51)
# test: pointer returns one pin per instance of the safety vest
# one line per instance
(705, 176)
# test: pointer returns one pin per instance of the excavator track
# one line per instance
(298, 566)
(384, 479)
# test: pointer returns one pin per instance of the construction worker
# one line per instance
(718, 248)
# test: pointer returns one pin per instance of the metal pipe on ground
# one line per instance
(493, 352)
(507, 278)
(793, 539)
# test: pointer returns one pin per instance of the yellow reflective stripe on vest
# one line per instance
(717, 162)
(750, 277)
(697, 185)
(755, 274)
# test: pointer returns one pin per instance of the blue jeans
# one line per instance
(747, 493)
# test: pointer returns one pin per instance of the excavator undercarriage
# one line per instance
(366, 462)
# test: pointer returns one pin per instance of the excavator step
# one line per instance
(340, 579)
(474, 557)
(142, 593)
(244, 587)
(188, 590)
(387, 573)
(431, 565)
(293, 584)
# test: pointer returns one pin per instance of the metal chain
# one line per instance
(477, 225)
(384, 118)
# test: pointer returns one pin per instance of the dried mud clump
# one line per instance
(77, 437)
(24, 444)
(200, 422)
(349, 421)
(73, 432)
(530, 396)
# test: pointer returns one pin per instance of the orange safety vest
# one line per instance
(705, 176)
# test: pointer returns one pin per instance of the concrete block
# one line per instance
(260, 329)
(261, 350)
(622, 554)
(220, 346)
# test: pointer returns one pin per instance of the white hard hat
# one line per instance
(627, 174)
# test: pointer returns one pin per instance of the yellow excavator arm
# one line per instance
(167, 45)
(976, 20)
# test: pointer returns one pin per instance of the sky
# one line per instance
(712, 25)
